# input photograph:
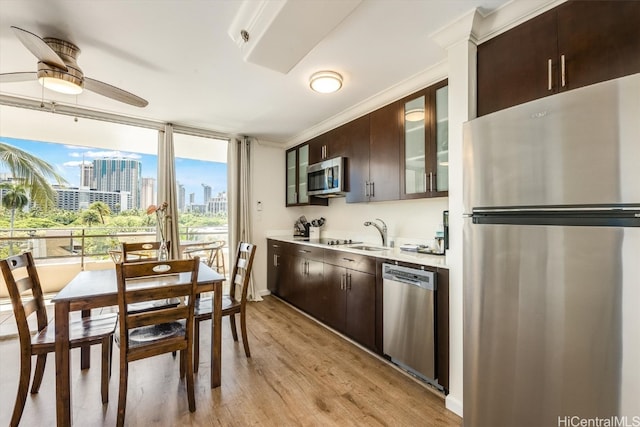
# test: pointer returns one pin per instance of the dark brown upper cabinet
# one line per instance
(575, 44)
(424, 151)
(384, 153)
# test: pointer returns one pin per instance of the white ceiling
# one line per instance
(178, 55)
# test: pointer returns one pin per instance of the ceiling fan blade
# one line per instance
(39, 48)
(113, 92)
(17, 77)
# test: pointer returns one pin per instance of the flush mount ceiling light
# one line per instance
(414, 115)
(325, 81)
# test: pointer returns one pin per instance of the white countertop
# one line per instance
(439, 261)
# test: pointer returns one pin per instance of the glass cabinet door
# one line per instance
(414, 146)
(426, 143)
(292, 193)
(442, 139)
(303, 163)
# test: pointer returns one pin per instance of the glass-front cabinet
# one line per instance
(442, 139)
(297, 163)
(425, 146)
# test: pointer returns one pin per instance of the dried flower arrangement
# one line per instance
(161, 217)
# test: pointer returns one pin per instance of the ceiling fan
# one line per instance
(59, 71)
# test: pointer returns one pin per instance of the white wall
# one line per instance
(268, 187)
(407, 220)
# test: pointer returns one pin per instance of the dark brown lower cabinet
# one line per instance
(344, 291)
(303, 283)
(351, 303)
(276, 265)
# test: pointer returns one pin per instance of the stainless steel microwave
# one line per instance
(326, 178)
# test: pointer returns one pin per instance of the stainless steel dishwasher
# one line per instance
(409, 319)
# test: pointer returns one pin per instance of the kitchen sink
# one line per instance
(367, 248)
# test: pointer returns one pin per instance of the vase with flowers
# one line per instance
(160, 211)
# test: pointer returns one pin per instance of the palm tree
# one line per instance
(102, 209)
(14, 198)
(32, 172)
(90, 217)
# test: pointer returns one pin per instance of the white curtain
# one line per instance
(167, 191)
(239, 194)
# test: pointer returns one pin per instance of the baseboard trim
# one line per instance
(453, 404)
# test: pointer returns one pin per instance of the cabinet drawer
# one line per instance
(309, 252)
(350, 260)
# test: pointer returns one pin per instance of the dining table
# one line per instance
(98, 288)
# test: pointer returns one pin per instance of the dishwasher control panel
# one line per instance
(411, 276)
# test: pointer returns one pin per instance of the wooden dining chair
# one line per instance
(231, 303)
(23, 284)
(211, 254)
(151, 333)
(141, 251)
(144, 252)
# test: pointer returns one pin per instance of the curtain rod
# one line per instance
(86, 113)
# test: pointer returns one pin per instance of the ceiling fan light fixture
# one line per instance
(414, 115)
(325, 82)
(60, 85)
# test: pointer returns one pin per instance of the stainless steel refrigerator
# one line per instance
(552, 260)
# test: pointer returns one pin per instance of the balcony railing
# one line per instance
(62, 253)
(91, 243)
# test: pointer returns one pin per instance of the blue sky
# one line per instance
(66, 159)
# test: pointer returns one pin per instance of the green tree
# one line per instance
(102, 209)
(15, 198)
(90, 217)
(32, 172)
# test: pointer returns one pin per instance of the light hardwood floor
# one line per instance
(300, 374)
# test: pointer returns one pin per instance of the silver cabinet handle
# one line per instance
(424, 176)
(562, 68)
(366, 189)
(373, 189)
(275, 260)
(348, 282)
(430, 181)
(349, 259)
(342, 280)
(550, 75)
(304, 251)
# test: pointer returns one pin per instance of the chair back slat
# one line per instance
(151, 290)
(24, 284)
(155, 317)
(30, 306)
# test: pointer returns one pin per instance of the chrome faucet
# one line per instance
(382, 230)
